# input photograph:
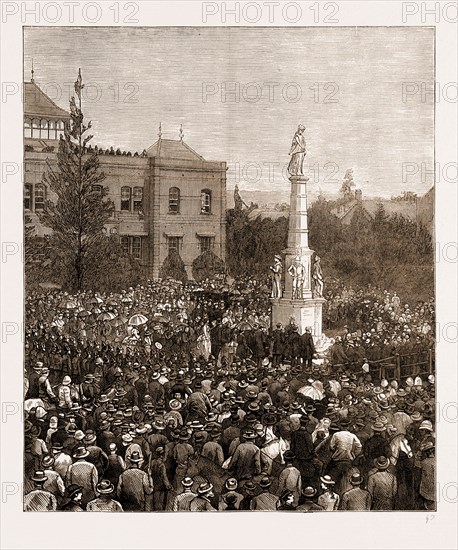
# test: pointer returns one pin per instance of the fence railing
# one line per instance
(400, 366)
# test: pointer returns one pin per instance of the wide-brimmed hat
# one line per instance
(426, 425)
(185, 435)
(39, 476)
(104, 425)
(141, 428)
(378, 426)
(231, 484)
(382, 463)
(249, 434)
(187, 482)
(158, 424)
(103, 398)
(135, 457)
(265, 482)
(204, 488)
(47, 461)
(416, 416)
(66, 381)
(309, 492)
(175, 405)
(80, 452)
(127, 438)
(104, 487)
(356, 479)
(72, 490)
(327, 480)
(90, 437)
(289, 455)
(79, 435)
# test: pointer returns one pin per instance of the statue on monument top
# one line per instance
(297, 152)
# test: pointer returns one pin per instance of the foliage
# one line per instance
(173, 267)
(386, 251)
(78, 216)
(207, 266)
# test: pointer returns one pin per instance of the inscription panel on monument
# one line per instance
(308, 318)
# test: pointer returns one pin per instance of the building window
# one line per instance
(125, 244)
(205, 201)
(39, 196)
(52, 129)
(132, 246)
(125, 198)
(35, 128)
(206, 244)
(174, 243)
(137, 247)
(44, 129)
(28, 196)
(59, 129)
(138, 199)
(174, 200)
(27, 128)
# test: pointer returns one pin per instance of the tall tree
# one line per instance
(78, 216)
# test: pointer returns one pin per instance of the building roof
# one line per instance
(403, 208)
(172, 149)
(37, 103)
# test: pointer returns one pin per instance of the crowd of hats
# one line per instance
(66, 341)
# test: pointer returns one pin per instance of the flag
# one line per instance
(79, 85)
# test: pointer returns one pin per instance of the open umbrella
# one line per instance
(68, 303)
(137, 320)
(310, 391)
(106, 316)
(84, 313)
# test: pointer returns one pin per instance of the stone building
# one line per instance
(168, 197)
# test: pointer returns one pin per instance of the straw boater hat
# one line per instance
(204, 488)
(104, 487)
(327, 480)
(382, 463)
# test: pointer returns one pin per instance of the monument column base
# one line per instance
(304, 313)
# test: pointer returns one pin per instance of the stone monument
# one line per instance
(300, 302)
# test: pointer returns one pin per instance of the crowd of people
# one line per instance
(181, 397)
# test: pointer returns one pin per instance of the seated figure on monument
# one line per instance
(298, 273)
(297, 152)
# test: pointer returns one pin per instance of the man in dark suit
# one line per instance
(307, 348)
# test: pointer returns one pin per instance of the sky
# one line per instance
(241, 92)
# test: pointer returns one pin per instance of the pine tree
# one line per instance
(81, 211)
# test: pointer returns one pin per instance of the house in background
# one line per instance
(168, 197)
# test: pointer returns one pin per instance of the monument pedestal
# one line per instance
(307, 313)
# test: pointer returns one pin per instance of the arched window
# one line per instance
(138, 199)
(35, 128)
(205, 201)
(44, 129)
(40, 196)
(52, 129)
(27, 128)
(125, 198)
(28, 196)
(59, 129)
(174, 200)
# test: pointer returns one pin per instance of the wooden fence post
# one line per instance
(398, 366)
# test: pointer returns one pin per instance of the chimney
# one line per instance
(358, 195)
